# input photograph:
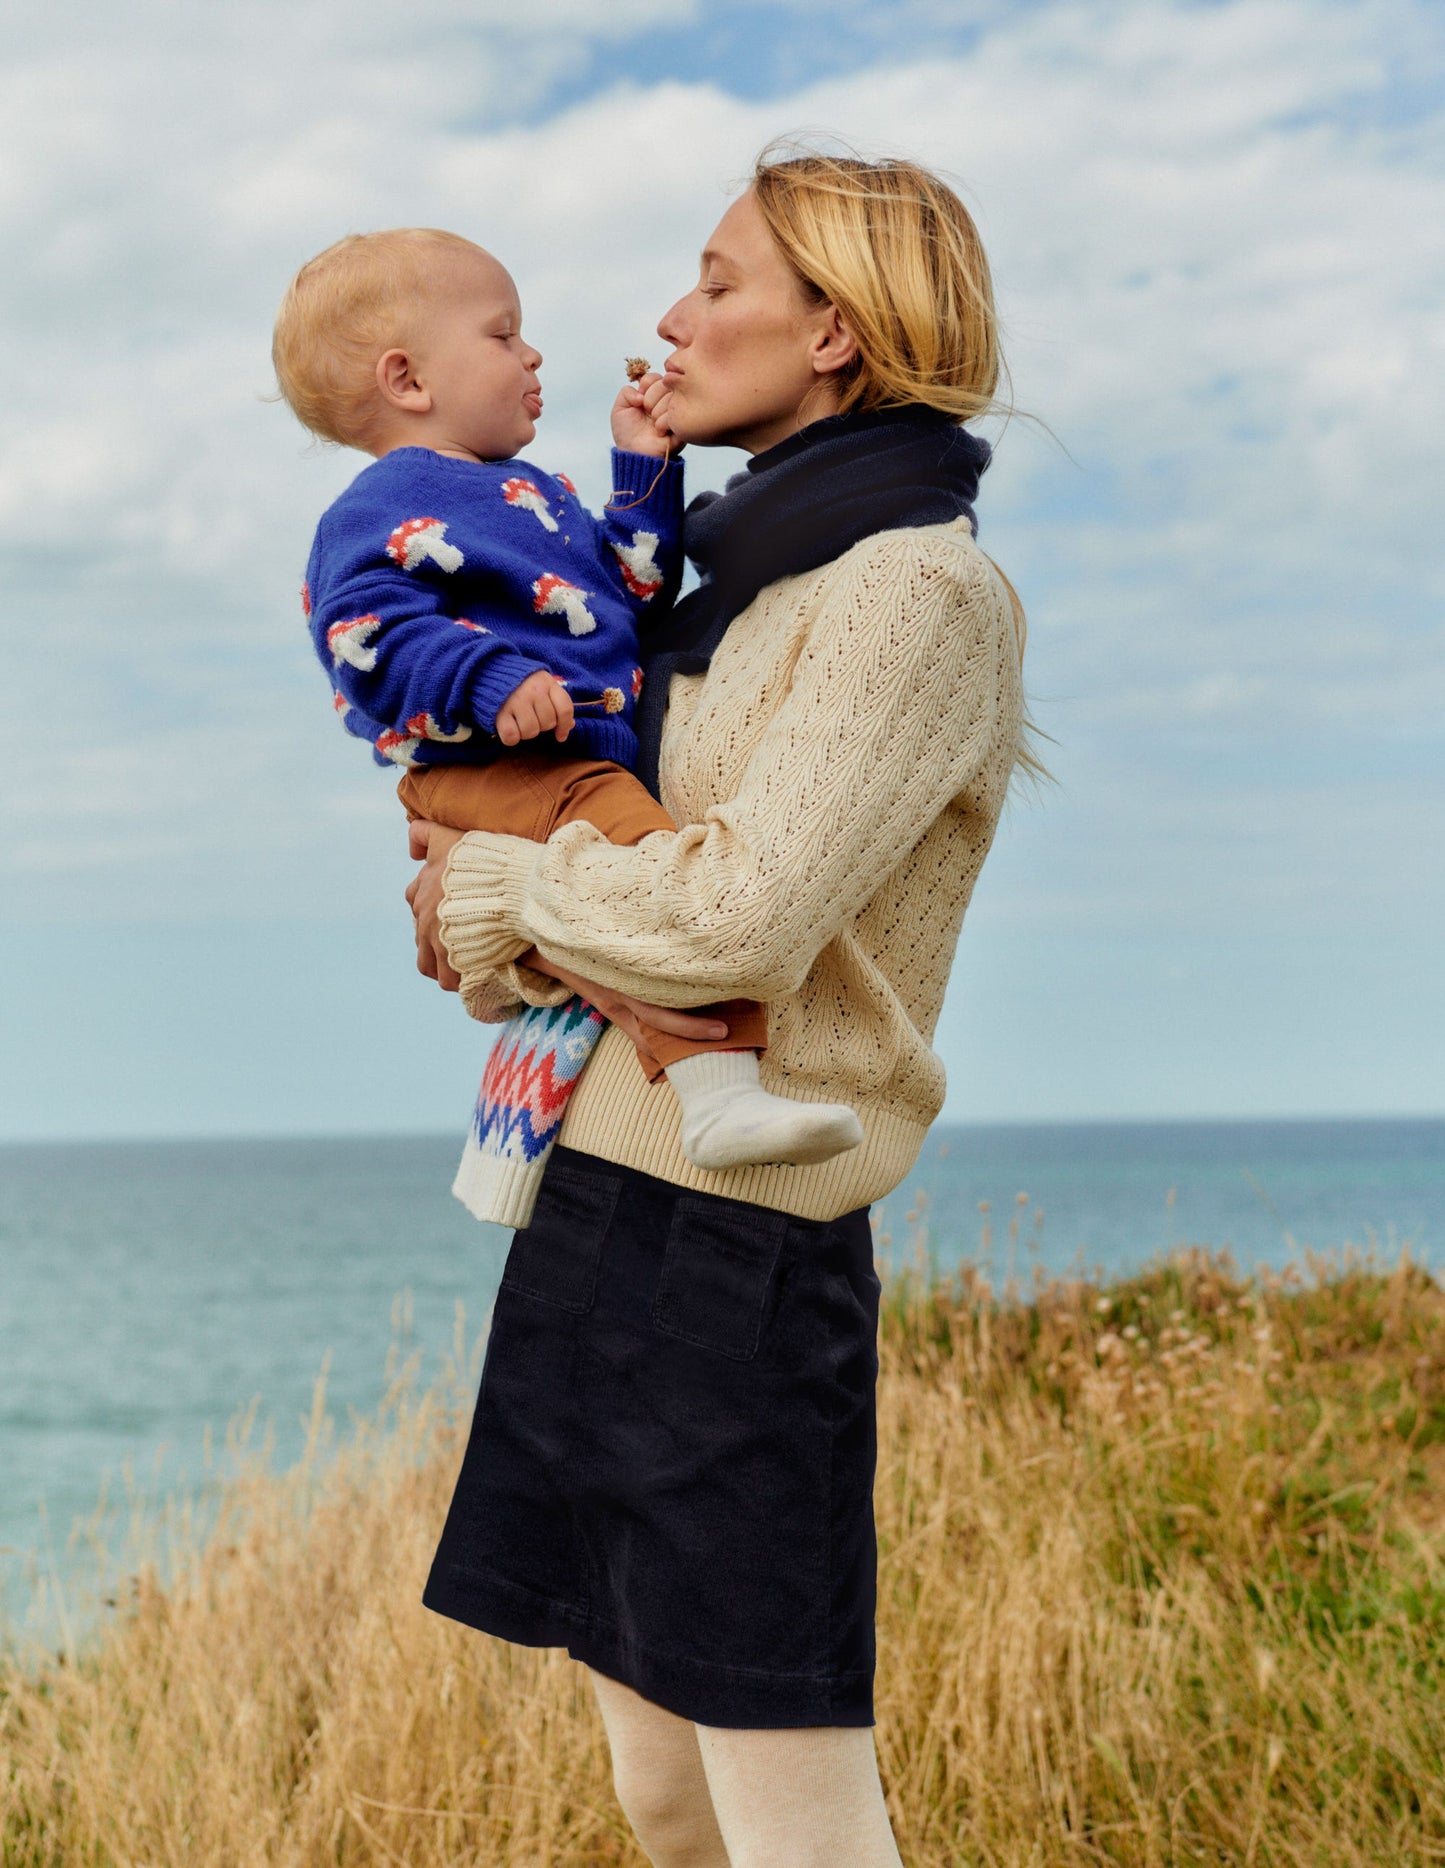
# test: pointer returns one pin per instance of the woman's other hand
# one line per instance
(430, 845)
(639, 417)
(620, 1009)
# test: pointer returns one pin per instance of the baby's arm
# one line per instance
(397, 651)
(641, 524)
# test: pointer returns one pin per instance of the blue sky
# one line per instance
(1214, 230)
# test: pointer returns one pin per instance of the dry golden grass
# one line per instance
(1160, 1582)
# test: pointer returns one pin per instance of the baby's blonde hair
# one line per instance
(894, 249)
(342, 311)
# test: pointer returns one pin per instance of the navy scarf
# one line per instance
(792, 508)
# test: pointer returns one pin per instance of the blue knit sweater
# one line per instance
(435, 586)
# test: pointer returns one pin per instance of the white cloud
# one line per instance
(1215, 258)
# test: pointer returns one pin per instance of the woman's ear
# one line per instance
(396, 378)
(834, 346)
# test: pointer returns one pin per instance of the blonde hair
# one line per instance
(342, 311)
(890, 245)
(895, 250)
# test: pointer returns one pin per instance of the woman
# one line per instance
(671, 1465)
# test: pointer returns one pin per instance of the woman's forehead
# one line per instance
(741, 237)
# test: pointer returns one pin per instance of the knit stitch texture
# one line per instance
(531, 1072)
(436, 586)
(838, 774)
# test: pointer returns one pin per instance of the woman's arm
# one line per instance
(898, 700)
(432, 843)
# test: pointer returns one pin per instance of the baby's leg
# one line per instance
(728, 1119)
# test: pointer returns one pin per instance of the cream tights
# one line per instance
(710, 1796)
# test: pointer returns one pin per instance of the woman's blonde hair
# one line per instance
(342, 311)
(895, 250)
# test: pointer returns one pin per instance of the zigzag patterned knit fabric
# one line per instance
(533, 1068)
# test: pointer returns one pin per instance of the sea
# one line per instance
(154, 1293)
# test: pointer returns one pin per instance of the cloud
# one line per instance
(1210, 230)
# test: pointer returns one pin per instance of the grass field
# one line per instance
(1160, 1581)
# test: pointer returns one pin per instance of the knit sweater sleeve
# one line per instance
(894, 706)
(640, 529)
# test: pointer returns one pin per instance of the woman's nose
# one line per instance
(670, 326)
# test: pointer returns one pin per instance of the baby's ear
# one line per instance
(396, 378)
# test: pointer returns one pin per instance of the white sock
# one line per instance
(730, 1120)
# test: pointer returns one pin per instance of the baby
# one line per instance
(466, 605)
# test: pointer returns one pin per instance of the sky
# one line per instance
(1214, 233)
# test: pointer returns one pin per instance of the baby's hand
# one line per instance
(635, 423)
(537, 705)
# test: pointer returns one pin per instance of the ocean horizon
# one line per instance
(151, 1291)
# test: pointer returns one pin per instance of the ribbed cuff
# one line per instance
(524, 983)
(648, 488)
(501, 1191)
(483, 886)
(499, 675)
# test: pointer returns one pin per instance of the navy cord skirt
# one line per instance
(670, 1468)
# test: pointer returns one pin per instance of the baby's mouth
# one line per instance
(532, 403)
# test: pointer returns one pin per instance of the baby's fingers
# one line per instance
(518, 721)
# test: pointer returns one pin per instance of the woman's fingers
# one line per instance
(680, 1024)
(661, 413)
(424, 898)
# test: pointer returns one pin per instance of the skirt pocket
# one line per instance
(716, 1272)
(555, 1258)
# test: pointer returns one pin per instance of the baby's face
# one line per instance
(470, 354)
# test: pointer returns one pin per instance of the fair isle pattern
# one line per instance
(533, 1068)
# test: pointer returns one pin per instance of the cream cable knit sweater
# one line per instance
(839, 772)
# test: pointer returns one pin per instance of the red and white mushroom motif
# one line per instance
(398, 747)
(529, 497)
(554, 596)
(416, 540)
(424, 726)
(641, 572)
(349, 641)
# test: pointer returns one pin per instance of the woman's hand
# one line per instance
(430, 845)
(619, 1008)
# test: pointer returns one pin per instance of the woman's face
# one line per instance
(752, 359)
